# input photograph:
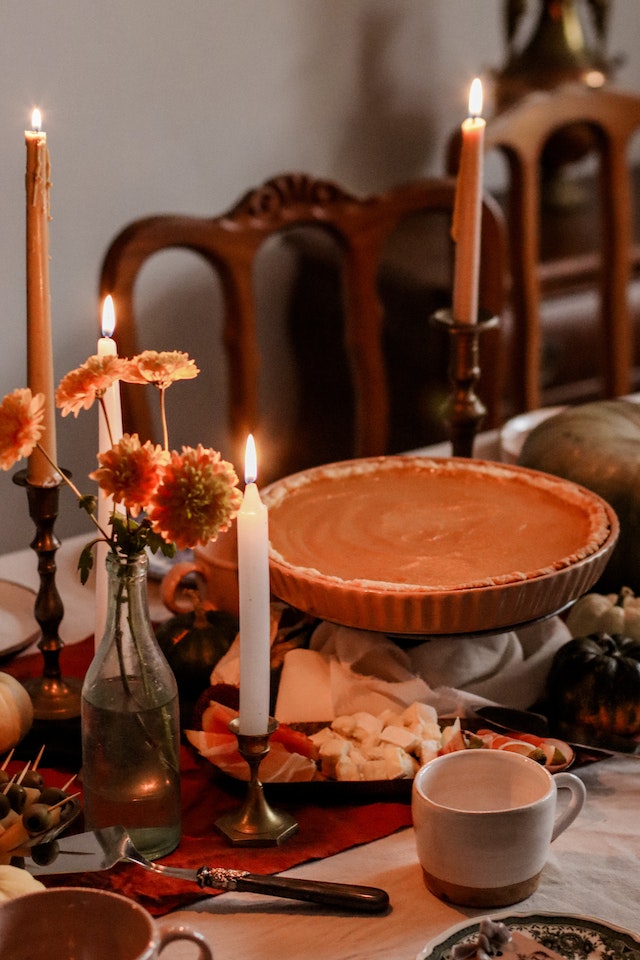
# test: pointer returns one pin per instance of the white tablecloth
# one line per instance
(593, 869)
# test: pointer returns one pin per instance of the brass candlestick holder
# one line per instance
(465, 410)
(53, 697)
(255, 823)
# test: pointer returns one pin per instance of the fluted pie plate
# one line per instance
(415, 545)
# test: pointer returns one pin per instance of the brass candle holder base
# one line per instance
(465, 410)
(255, 823)
(53, 696)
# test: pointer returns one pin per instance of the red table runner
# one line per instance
(323, 830)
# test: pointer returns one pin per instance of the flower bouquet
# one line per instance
(163, 500)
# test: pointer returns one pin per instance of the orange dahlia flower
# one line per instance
(160, 368)
(130, 471)
(196, 499)
(21, 427)
(80, 387)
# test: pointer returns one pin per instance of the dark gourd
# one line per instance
(193, 643)
(593, 687)
(598, 445)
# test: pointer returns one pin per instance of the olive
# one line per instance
(44, 853)
(51, 795)
(17, 797)
(33, 779)
(37, 818)
(5, 805)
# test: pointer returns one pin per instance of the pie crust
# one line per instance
(414, 545)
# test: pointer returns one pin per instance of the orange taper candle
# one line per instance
(39, 349)
(467, 214)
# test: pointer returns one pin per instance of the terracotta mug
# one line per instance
(92, 924)
(483, 822)
(216, 570)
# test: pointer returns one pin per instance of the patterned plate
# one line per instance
(575, 938)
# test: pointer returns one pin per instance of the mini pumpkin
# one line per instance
(612, 613)
(16, 712)
(593, 687)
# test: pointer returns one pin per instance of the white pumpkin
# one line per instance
(16, 712)
(617, 614)
(14, 882)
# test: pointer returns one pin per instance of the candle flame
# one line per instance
(250, 461)
(475, 98)
(108, 317)
(36, 120)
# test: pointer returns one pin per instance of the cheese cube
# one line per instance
(365, 726)
(390, 717)
(346, 769)
(376, 770)
(331, 752)
(343, 725)
(419, 713)
(400, 737)
(323, 736)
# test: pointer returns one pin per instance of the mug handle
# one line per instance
(568, 781)
(170, 585)
(169, 932)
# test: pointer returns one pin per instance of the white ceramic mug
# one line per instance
(93, 924)
(483, 822)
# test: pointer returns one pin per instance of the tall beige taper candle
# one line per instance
(39, 348)
(467, 216)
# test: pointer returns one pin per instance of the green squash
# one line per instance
(593, 687)
(598, 446)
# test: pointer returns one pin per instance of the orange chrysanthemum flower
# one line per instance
(21, 427)
(79, 388)
(196, 499)
(160, 368)
(130, 471)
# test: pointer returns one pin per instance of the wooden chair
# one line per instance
(607, 118)
(230, 244)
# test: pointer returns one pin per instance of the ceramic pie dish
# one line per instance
(415, 545)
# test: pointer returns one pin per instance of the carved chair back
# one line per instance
(603, 120)
(231, 242)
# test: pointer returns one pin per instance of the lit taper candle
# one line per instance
(467, 214)
(255, 622)
(108, 434)
(39, 347)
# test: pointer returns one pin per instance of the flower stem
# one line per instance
(103, 407)
(163, 416)
(69, 482)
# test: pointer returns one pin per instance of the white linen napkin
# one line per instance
(346, 670)
(353, 670)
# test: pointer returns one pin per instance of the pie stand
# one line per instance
(417, 547)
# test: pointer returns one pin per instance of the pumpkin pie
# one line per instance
(414, 545)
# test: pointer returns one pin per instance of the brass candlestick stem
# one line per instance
(255, 823)
(465, 410)
(53, 697)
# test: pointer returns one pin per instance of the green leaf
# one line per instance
(88, 502)
(155, 543)
(85, 562)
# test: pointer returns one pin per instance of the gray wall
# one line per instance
(156, 105)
